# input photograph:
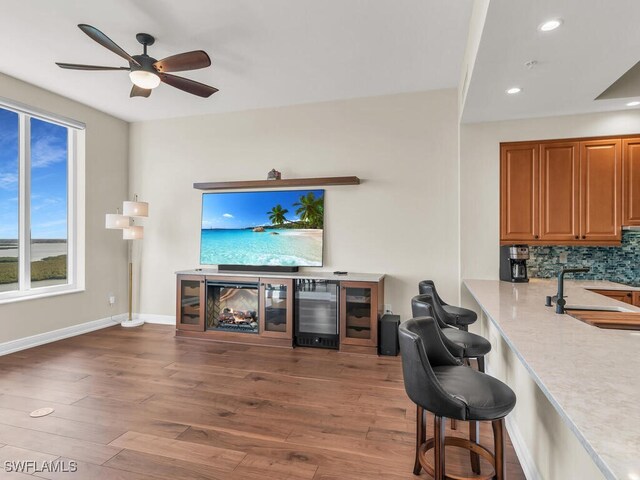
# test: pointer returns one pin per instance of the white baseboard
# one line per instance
(55, 335)
(157, 319)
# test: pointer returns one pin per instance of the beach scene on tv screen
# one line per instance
(283, 228)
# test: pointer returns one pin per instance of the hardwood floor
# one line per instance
(133, 404)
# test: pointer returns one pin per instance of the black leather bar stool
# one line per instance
(437, 382)
(460, 343)
(456, 316)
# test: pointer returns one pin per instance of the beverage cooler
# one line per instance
(316, 313)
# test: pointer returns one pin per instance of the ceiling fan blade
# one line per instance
(183, 61)
(106, 42)
(189, 86)
(76, 66)
(136, 91)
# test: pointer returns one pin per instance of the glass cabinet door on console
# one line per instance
(276, 307)
(359, 313)
(191, 303)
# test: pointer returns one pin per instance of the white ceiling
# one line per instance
(598, 42)
(264, 53)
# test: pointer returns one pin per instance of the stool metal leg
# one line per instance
(421, 436)
(474, 434)
(438, 450)
(498, 442)
(480, 364)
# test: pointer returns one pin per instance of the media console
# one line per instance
(251, 308)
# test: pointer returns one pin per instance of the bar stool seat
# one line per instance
(457, 316)
(463, 316)
(461, 344)
(473, 345)
(485, 397)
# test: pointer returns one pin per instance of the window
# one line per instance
(38, 203)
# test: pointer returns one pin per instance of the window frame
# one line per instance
(75, 204)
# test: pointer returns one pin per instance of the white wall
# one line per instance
(402, 220)
(106, 255)
(480, 175)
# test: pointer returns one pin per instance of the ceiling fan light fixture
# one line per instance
(144, 79)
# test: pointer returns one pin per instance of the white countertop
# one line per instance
(350, 276)
(590, 375)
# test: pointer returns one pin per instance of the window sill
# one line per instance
(37, 293)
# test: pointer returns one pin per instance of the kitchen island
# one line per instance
(578, 386)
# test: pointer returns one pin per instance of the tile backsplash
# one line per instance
(617, 264)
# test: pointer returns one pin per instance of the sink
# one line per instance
(597, 308)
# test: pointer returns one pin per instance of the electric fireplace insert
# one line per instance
(232, 307)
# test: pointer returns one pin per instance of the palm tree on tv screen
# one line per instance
(310, 210)
(277, 215)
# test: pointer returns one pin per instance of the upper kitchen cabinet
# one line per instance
(601, 190)
(559, 191)
(519, 192)
(568, 192)
(631, 182)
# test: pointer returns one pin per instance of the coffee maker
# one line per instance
(513, 263)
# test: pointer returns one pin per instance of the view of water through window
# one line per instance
(49, 154)
(48, 202)
(9, 175)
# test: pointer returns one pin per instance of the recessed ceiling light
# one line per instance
(514, 90)
(550, 25)
(633, 104)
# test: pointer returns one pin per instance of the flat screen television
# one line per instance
(266, 229)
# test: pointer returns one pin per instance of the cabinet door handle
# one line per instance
(536, 237)
(584, 237)
(577, 237)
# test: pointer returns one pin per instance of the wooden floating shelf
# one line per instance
(288, 182)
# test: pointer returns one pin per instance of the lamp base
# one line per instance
(136, 322)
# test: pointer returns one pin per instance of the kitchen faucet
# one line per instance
(559, 298)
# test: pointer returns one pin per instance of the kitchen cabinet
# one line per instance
(631, 181)
(519, 192)
(601, 190)
(626, 296)
(636, 299)
(559, 191)
(563, 192)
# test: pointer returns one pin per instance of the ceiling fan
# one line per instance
(146, 72)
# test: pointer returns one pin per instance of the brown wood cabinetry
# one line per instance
(190, 314)
(567, 192)
(260, 310)
(626, 296)
(636, 299)
(360, 308)
(559, 191)
(276, 307)
(631, 181)
(519, 167)
(601, 190)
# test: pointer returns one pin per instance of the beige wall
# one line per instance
(106, 255)
(402, 220)
(480, 175)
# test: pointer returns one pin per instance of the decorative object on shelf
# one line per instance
(125, 222)
(274, 175)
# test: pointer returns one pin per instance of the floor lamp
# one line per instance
(131, 232)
